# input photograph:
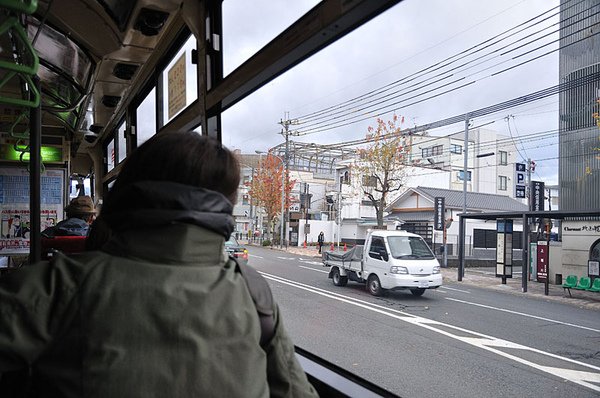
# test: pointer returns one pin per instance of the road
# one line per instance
(458, 340)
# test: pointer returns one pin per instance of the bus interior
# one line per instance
(84, 82)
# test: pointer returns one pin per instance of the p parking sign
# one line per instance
(520, 180)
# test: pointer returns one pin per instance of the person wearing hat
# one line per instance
(80, 214)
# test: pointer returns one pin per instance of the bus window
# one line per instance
(80, 185)
(146, 118)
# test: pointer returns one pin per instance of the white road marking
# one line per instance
(485, 342)
(252, 255)
(311, 262)
(523, 314)
(313, 269)
(453, 289)
(286, 258)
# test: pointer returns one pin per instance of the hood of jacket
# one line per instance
(68, 227)
(161, 203)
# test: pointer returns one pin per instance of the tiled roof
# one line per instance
(475, 200)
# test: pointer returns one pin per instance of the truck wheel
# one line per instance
(338, 279)
(417, 292)
(374, 286)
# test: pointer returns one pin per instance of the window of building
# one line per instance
(369, 181)
(461, 175)
(502, 183)
(345, 177)
(503, 158)
(432, 151)
(455, 148)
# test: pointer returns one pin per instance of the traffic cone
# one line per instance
(345, 248)
(331, 248)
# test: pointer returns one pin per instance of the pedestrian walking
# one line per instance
(320, 241)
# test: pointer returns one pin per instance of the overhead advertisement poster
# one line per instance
(176, 87)
(14, 207)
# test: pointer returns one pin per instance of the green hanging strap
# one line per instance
(25, 72)
(12, 23)
(23, 6)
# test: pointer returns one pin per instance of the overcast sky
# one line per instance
(412, 35)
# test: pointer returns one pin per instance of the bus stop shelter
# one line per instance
(526, 217)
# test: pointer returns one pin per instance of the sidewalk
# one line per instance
(486, 278)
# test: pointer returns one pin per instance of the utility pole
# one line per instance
(285, 212)
(306, 206)
(462, 221)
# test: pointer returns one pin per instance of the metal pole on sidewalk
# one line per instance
(525, 255)
(461, 225)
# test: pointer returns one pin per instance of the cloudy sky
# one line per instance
(409, 37)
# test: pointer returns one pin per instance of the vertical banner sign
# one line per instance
(542, 261)
(499, 247)
(537, 198)
(504, 230)
(520, 180)
(439, 215)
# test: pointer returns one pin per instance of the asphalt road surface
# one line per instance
(456, 341)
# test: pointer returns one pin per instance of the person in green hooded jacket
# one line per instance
(159, 310)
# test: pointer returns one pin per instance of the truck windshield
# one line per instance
(409, 247)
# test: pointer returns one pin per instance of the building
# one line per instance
(579, 158)
(490, 162)
(415, 211)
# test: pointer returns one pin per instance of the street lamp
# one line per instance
(282, 197)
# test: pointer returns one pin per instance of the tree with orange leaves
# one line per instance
(265, 188)
(382, 163)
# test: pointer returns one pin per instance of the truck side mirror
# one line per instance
(383, 253)
(375, 254)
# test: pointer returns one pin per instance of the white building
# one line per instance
(491, 160)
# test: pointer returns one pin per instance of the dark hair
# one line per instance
(186, 158)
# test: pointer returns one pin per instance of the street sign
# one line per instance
(439, 218)
(537, 199)
(542, 261)
(520, 180)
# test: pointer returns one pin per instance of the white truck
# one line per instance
(389, 260)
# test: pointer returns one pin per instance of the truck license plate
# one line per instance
(423, 284)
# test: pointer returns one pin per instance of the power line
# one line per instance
(409, 79)
(394, 106)
(422, 71)
(319, 126)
